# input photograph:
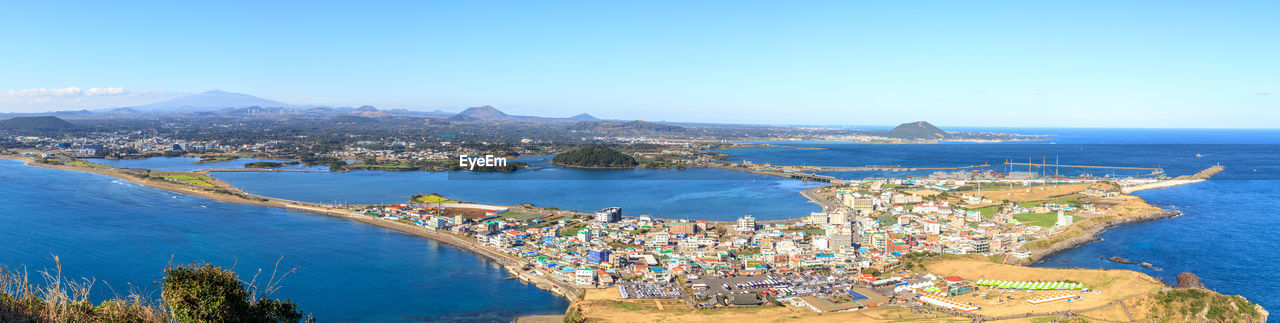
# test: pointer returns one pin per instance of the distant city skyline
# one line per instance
(1002, 64)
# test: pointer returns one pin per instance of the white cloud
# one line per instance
(70, 91)
(1266, 92)
(75, 98)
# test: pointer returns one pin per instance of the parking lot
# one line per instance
(778, 285)
(649, 290)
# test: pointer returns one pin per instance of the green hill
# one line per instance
(595, 156)
(917, 130)
(48, 123)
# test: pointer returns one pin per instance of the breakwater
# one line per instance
(1180, 180)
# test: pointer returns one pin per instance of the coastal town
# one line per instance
(925, 244)
(865, 252)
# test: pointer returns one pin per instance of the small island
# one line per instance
(215, 159)
(269, 164)
(595, 156)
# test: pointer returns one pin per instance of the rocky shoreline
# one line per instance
(1091, 232)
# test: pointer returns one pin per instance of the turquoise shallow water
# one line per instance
(123, 235)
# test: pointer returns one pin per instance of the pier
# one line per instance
(1180, 180)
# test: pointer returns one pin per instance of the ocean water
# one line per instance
(695, 193)
(122, 235)
(1225, 235)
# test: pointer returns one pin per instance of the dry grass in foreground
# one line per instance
(190, 293)
(59, 299)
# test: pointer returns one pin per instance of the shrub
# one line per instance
(206, 293)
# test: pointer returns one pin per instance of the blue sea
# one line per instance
(122, 235)
(122, 232)
(1224, 235)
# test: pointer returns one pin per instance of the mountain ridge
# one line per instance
(210, 101)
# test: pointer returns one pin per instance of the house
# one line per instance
(746, 300)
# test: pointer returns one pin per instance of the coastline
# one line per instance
(1090, 234)
(511, 263)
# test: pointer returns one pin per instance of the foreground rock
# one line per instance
(1189, 280)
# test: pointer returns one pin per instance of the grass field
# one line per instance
(1068, 200)
(433, 199)
(1041, 219)
(987, 211)
(189, 178)
(1114, 284)
(520, 215)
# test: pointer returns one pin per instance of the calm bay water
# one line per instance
(699, 193)
(695, 193)
(123, 235)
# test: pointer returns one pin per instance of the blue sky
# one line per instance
(1102, 64)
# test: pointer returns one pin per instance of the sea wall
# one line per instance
(1180, 180)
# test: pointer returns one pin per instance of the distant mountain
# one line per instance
(479, 113)
(584, 117)
(47, 123)
(210, 101)
(72, 113)
(637, 126)
(916, 130)
(437, 112)
(122, 111)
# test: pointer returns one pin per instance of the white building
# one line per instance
(609, 215)
(662, 238)
(932, 227)
(747, 223)
(584, 276)
(1064, 220)
(816, 218)
(838, 218)
(821, 243)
